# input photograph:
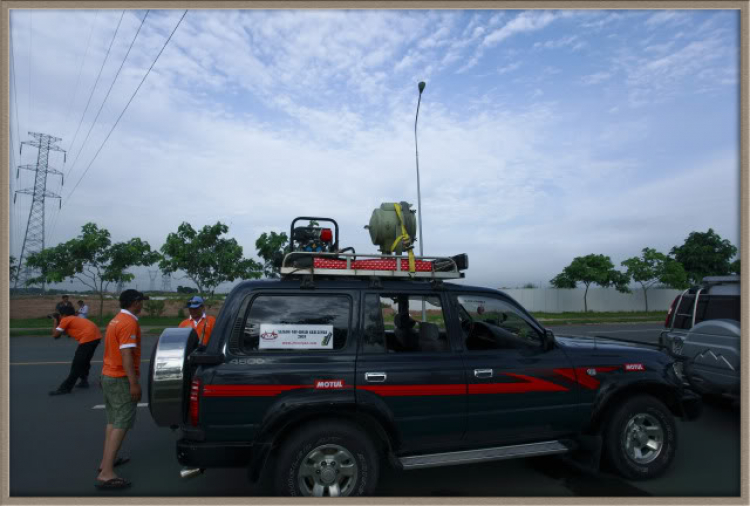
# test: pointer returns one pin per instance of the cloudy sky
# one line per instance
(543, 135)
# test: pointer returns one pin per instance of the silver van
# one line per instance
(703, 324)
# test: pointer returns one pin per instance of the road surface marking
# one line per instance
(140, 405)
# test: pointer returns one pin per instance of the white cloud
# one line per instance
(668, 17)
(528, 21)
(596, 78)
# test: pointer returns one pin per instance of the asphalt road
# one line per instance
(56, 445)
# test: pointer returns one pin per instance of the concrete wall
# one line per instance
(554, 300)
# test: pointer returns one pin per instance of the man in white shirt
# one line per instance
(83, 310)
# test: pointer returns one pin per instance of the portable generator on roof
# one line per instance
(314, 249)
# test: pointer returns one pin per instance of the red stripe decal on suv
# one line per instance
(582, 375)
(414, 390)
(529, 384)
(248, 390)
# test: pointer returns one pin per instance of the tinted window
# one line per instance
(374, 336)
(295, 323)
(393, 324)
(493, 324)
(715, 307)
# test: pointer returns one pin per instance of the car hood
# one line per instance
(587, 345)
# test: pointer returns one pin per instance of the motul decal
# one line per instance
(585, 376)
(634, 367)
(329, 384)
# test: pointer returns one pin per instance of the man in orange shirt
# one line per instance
(120, 383)
(198, 320)
(88, 336)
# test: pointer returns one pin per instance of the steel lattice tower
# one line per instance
(152, 280)
(33, 241)
(166, 283)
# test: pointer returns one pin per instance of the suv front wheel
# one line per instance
(327, 458)
(640, 438)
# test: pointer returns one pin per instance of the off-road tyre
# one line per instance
(330, 436)
(640, 411)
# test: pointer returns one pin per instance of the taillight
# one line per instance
(195, 390)
(669, 313)
(326, 235)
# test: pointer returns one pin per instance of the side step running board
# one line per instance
(483, 455)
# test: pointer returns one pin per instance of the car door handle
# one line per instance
(483, 373)
(376, 377)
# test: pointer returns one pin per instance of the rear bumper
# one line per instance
(692, 405)
(192, 453)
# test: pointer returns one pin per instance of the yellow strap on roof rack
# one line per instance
(405, 237)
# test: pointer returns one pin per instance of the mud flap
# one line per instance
(587, 454)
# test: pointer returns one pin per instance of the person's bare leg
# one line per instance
(112, 446)
(107, 432)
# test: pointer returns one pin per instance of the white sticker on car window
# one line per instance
(275, 336)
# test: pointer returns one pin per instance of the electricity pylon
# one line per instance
(33, 241)
(166, 283)
(152, 280)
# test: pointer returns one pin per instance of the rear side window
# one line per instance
(295, 323)
(684, 316)
(716, 307)
(394, 324)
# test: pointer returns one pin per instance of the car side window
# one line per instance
(716, 307)
(489, 323)
(295, 323)
(393, 324)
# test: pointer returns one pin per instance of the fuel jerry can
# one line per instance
(385, 226)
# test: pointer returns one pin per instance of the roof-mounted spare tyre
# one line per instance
(168, 376)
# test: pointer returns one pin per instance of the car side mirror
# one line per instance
(549, 340)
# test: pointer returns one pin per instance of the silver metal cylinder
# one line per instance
(190, 472)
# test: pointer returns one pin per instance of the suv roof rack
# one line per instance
(301, 263)
(720, 280)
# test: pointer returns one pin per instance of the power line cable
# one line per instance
(128, 104)
(28, 97)
(80, 69)
(72, 166)
(15, 92)
(93, 90)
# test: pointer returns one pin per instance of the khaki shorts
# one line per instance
(117, 402)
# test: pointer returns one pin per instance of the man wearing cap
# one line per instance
(88, 336)
(198, 320)
(120, 383)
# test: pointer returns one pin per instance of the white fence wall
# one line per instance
(555, 300)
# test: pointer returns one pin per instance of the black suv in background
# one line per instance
(318, 381)
(703, 325)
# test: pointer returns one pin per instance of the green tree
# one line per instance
(206, 258)
(705, 254)
(735, 267)
(591, 269)
(92, 259)
(653, 267)
(271, 248)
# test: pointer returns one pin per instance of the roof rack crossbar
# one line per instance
(352, 265)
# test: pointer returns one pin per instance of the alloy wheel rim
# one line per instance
(328, 470)
(643, 438)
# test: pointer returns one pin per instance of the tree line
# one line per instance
(702, 254)
(208, 258)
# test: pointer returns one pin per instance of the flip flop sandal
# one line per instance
(113, 484)
(120, 461)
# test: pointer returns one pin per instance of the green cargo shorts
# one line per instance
(119, 406)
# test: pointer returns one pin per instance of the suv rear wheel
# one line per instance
(640, 438)
(327, 458)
